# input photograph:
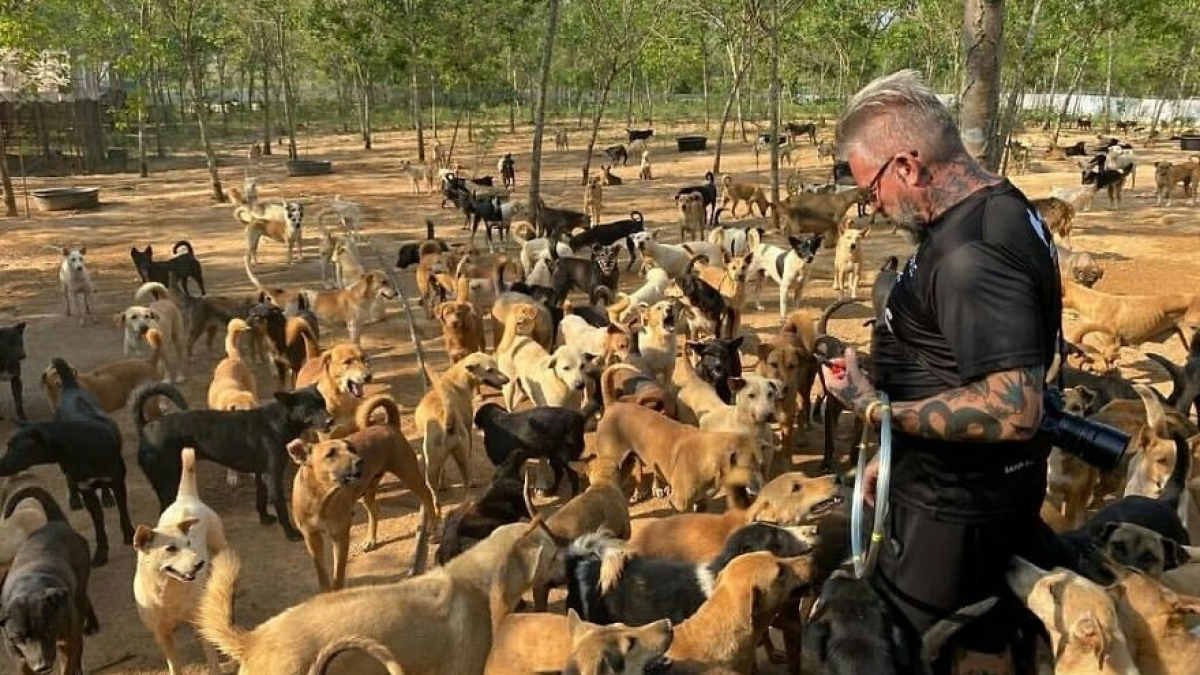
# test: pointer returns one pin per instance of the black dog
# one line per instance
(1185, 394)
(182, 267)
(508, 171)
(12, 353)
(475, 519)
(852, 632)
(708, 192)
(286, 337)
(649, 589)
(44, 601)
(410, 253)
(1077, 150)
(558, 224)
(552, 433)
(488, 212)
(580, 274)
(607, 257)
(802, 129)
(703, 298)
(611, 233)
(636, 135)
(718, 361)
(882, 288)
(617, 153)
(247, 441)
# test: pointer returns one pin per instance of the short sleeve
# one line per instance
(989, 309)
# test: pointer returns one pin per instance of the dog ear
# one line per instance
(614, 329)
(119, 319)
(20, 328)
(1107, 532)
(694, 347)
(142, 537)
(66, 251)
(153, 315)
(763, 351)
(737, 384)
(1174, 555)
(298, 450)
(552, 363)
(1088, 395)
(736, 343)
(187, 524)
(82, 250)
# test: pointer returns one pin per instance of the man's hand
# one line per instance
(845, 381)
(871, 475)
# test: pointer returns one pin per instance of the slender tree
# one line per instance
(539, 111)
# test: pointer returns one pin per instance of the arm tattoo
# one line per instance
(1004, 406)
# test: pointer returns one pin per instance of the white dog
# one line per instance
(533, 248)
(156, 310)
(649, 293)
(173, 560)
(547, 379)
(75, 280)
(788, 268)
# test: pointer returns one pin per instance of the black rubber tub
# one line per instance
(309, 167)
(67, 198)
(1189, 143)
(691, 143)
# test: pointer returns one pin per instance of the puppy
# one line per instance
(608, 177)
(847, 260)
(180, 269)
(340, 374)
(851, 631)
(333, 475)
(44, 597)
(444, 415)
(172, 565)
(551, 433)
(155, 310)
(733, 194)
(693, 462)
(247, 441)
(593, 199)
(12, 353)
(76, 284)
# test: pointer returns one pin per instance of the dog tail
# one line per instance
(214, 616)
(187, 476)
(692, 263)
(636, 216)
(250, 273)
(244, 214)
(298, 328)
(891, 264)
(50, 507)
(154, 338)
(149, 391)
(186, 246)
(823, 322)
(150, 291)
(362, 416)
(233, 331)
(372, 647)
(611, 552)
(1177, 483)
(66, 374)
(608, 392)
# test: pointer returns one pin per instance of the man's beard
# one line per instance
(909, 218)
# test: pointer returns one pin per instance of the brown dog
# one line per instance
(1058, 215)
(691, 215)
(541, 329)
(818, 212)
(462, 327)
(233, 386)
(733, 194)
(341, 375)
(1155, 622)
(1133, 318)
(552, 643)
(593, 199)
(629, 384)
(355, 304)
(695, 463)
(787, 358)
(1168, 175)
(111, 383)
(445, 415)
(333, 475)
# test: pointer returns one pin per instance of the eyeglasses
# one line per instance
(873, 186)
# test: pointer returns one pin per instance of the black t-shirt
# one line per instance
(980, 295)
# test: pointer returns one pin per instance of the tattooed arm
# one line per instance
(1003, 406)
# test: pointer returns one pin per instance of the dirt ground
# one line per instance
(1145, 249)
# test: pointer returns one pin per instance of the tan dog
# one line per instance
(417, 173)
(111, 383)
(847, 260)
(611, 343)
(730, 625)
(593, 199)
(173, 564)
(347, 264)
(694, 462)
(233, 386)
(445, 415)
(645, 170)
(1155, 621)
(1080, 618)
(818, 212)
(656, 339)
(787, 360)
(341, 374)
(552, 643)
(462, 326)
(691, 216)
(1058, 214)
(333, 475)
(632, 384)
(790, 499)
(733, 194)
(1168, 175)
(155, 310)
(355, 304)
(1070, 480)
(460, 605)
(24, 521)
(533, 320)
(729, 279)
(1132, 318)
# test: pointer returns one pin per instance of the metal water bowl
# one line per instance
(67, 198)
(309, 167)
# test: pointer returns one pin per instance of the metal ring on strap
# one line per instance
(864, 554)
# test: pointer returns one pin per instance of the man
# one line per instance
(969, 330)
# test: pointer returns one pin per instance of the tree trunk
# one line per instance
(1108, 77)
(1070, 92)
(649, 100)
(983, 44)
(221, 92)
(1017, 90)
(596, 118)
(629, 102)
(512, 98)
(416, 97)
(774, 103)
(341, 99)
(1053, 89)
(210, 157)
(285, 76)
(10, 195)
(737, 83)
(704, 74)
(266, 78)
(433, 106)
(539, 113)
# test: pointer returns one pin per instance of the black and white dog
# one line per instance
(611, 233)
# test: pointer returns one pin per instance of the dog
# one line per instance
(333, 475)
(416, 174)
(1131, 319)
(606, 585)
(289, 342)
(1154, 622)
(1079, 266)
(86, 448)
(557, 224)
(581, 274)
(1185, 392)
(180, 269)
(26, 518)
(608, 177)
(562, 141)
(649, 293)
(802, 129)
(155, 311)
(852, 631)
(209, 315)
(1058, 215)
(247, 441)
(444, 415)
(477, 517)
(1168, 175)
(44, 597)
(708, 312)
(818, 213)
(460, 604)
(1110, 180)
(462, 326)
(787, 268)
(278, 222)
(787, 360)
(630, 384)
(847, 261)
(609, 234)
(544, 643)
(733, 194)
(554, 434)
(547, 379)
(617, 153)
(76, 283)
(173, 560)
(826, 150)
(764, 142)
(233, 386)
(353, 306)
(692, 217)
(656, 339)
(12, 353)
(693, 462)
(717, 361)
(411, 253)
(593, 199)
(707, 192)
(346, 262)
(508, 171)
(645, 169)
(341, 375)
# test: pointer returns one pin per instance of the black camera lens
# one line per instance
(1097, 444)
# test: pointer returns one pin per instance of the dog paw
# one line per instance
(75, 504)
(365, 547)
(293, 535)
(107, 500)
(100, 559)
(266, 519)
(231, 478)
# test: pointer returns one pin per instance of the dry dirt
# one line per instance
(1145, 249)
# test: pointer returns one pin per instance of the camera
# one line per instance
(1097, 444)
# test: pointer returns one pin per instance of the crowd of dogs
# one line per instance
(614, 397)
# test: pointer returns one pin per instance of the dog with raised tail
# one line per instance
(173, 561)
(155, 310)
(278, 222)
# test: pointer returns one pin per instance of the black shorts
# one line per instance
(928, 569)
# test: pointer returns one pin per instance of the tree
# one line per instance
(539, 112)
(983, 44)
